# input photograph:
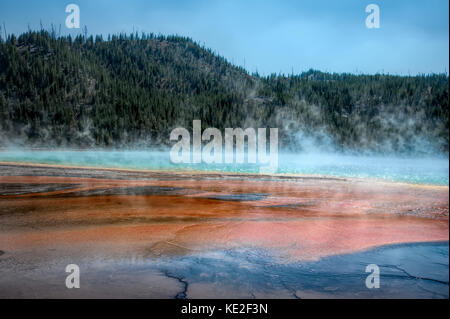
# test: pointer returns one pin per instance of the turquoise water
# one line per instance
(433, 171)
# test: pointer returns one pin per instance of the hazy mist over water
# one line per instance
(433, 170)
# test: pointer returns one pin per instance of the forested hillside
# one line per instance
(132, 90)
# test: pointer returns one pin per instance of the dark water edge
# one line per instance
(415, 270)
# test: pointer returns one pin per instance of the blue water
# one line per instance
(417, 270)
(434, 171)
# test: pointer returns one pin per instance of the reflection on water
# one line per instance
(412, 170)
(165, 235)
(406, 271)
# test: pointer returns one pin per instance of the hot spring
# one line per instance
(433, 171)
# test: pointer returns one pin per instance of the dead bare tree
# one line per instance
(4, 30)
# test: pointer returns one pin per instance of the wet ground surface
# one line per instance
(22, 189)
(406, 271)
(418, 270)
(194, 235)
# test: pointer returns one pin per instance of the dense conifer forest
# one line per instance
(130, 91)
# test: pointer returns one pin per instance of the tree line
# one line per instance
(130, 91)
